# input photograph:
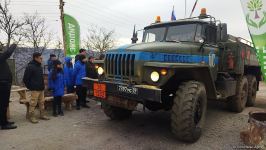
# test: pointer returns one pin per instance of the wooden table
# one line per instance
(22, 91)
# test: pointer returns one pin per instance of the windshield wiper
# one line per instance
(174, 41)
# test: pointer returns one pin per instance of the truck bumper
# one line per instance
(108, 90)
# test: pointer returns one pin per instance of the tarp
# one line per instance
(72, 35)
(255, 14)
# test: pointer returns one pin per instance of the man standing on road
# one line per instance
(91, 73)
(81, 52)
(5, 87)
(34, 81)
(79, 72)
(90, 69)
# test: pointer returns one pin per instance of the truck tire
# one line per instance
(238, 102)
(252, 90)
(116, 113)
(188, 111)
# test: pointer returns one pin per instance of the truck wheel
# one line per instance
(252, 90)
(116, 113)
(188, 111)
(238, 102)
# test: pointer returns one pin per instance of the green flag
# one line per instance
(72, 35)
(255, 13)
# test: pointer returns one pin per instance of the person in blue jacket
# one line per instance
(68, 74)
(79, 73)
(57, 84)
(50, 61)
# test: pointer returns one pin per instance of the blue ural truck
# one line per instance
(177, 67)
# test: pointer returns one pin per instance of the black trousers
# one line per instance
(57, 105)
(70, 89)
(5, 88)
(82, 94)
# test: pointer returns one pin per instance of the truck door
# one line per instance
(210, 49)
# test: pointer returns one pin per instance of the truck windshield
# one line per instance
(154, 35)
(177, 33)
(182, 33)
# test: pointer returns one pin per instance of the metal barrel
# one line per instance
(258, 118)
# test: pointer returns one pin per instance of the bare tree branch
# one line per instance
(8, 24)
(59, 47)
(36, 32)
(99, 39)
(59, 43)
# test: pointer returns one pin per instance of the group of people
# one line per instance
(60, 77)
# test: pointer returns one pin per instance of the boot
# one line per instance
(32, 118)
(43, 117)
(61, 113)
(8, 126)
(60, 110)
(55, 114)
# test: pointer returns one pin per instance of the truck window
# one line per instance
(184, 32)
(154, 35)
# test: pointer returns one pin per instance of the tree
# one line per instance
(58, 47)
(9, 25)
(255, 5)
(36, 32)
(99, 39)
(59, 44)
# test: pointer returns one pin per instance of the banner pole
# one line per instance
(61, 7)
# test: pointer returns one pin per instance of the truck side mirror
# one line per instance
(223, 32)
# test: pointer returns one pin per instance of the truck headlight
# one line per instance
(100, 70)
(155, 76)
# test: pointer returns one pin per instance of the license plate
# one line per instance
(99, 90)
(128, 90)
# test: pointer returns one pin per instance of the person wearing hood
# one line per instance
(68, 75)
(56, 83)
(5, 87)
(34, 81)
(79, 73)
(50, 61)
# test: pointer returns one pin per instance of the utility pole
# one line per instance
(185, 8)
(61, 7)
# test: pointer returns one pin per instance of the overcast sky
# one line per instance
(121, 15)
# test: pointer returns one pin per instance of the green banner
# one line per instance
(255, 13)
(72, 35)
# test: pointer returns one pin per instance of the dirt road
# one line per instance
(90, 129)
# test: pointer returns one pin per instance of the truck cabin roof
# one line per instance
(178, 22)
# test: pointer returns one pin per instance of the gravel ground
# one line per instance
(90, 129)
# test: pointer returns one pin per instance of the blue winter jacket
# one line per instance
(50, 64)
(58, 85)
(79, 72)
(68, 73)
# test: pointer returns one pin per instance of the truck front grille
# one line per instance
(119, 65)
